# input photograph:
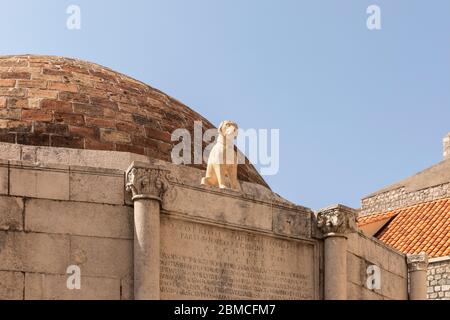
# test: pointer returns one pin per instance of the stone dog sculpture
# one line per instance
(222, 161)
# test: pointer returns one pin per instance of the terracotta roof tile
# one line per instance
(422, 227)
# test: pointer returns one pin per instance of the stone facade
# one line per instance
(438, 279)
(363, 252)
(62, 214)
(62, 102)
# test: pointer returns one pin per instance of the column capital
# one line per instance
(417, 262)
(147, 181)
(336, 220)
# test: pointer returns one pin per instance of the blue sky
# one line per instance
(357, 109)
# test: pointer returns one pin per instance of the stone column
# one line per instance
(147, 185)
(335, 223)
(417, 268)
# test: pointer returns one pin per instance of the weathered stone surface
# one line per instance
(11, 285)
(356, 269)
(292, 223)
(218, 207)
(96, 187)
(102, 256)
(88, 158)
(79, 218)
(430, 184)
(9, 151)
(39, 182)
(397, 265)
(34, 252)
(374, 252)
(200, 261)
(393, 286)
(363, 252)
(357, 292)
(337, 219)
(39, 286)
(11, 213)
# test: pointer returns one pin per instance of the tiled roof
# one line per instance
(424, 227)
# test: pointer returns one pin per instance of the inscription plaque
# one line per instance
(201, 261)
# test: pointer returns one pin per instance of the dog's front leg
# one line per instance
(220, 173)
(233, 178)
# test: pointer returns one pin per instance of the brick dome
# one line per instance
(62, 102)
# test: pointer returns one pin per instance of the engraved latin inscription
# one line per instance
(200, 261)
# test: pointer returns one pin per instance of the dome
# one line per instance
(62, 102)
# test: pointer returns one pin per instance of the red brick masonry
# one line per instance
(62, 102)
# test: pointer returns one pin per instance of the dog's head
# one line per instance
(228, 129)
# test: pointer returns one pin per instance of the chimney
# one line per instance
(446, 142)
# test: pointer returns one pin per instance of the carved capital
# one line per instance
(336, 220)
(417, 262)
(147, 182)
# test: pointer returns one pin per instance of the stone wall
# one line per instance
(400, 198)
(438, 277)
(214, 243)
(54, 216)
(363, 252)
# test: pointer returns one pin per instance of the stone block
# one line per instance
(79, 218)
(374, 252)
(50, 182)
(29, 154)
(199, 260)
(432, 296)
(356, 269)
(354, 291)
(9, 151)
(53, 155)
(11, 114)
(397, 264)
(219, 206)
(11, 285)
(367, 294)
(102, 256)
(291, 223)
(393, 286)
(11, 213)
(54, 287)
(114, 136)
(97, 186)
(34, 252)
